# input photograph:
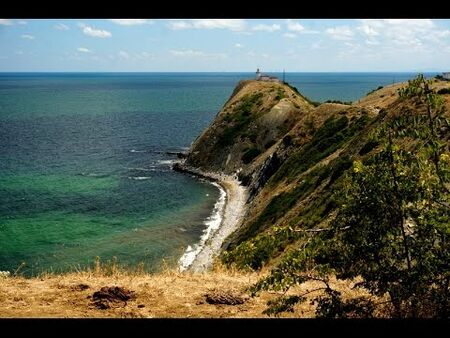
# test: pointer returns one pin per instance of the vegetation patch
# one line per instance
(444, 91)
(374, 90)
(349, 103)
(325, 141)
(239, 120)
(250, 154)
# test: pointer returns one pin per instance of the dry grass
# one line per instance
(168, 294)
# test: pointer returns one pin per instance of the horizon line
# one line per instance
(140, 72)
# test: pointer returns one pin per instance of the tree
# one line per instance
(393, 225)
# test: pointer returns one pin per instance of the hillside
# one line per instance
(291, 157)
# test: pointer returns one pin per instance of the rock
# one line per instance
(108, 295)
(80, 287)
(223, 297)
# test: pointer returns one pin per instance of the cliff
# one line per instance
(290, 155)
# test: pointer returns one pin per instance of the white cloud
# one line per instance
(143, 55)
(197, 53)
(413, 34)
(27, 36)
(61, 27)
(131, 22)
(368, 30)
(340, 33)
(231, 24)
(238, 45)
(294, 26)
(418, 23)
(187, 52)
(84, 50)
(316, 45)
(266, 28)
(96, 33)
(6, 22)
(124, 55)
(22, 22)
(131, 56)
(290, 35)
(177, 25)
(19, 52)
(372, 42)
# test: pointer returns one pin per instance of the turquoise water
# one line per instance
(83, 168)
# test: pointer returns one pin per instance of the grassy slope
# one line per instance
(300, 195)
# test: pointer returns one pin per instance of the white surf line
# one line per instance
(233, 212)
(212, 224)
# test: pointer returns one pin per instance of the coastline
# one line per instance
(201, 257)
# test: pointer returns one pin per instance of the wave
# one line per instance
(151, 168)
(212, 224)
(137, 151)
(93, 175)
(170, 162)
(139, 178)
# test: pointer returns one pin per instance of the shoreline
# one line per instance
(232, 213)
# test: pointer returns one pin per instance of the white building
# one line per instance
(446, 76)
(263, 77)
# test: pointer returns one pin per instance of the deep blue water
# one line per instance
(83, 169)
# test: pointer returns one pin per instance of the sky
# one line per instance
(224, 45)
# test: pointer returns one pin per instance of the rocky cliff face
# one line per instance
(290, 155)
(245, 132)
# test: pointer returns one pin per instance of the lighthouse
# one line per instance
(258, 74)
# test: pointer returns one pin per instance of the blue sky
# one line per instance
(297, 45)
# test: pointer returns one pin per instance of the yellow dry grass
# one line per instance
(167, 294)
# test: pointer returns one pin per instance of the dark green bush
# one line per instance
(444, 91)
(250, 154)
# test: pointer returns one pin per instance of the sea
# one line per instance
(85, 163)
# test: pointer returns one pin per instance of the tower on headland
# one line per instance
(263, 77)
(258, 74)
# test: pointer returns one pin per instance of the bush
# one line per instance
(349, 103)
(269, 144)
(250, 154)
(374, 90)
(444, 91)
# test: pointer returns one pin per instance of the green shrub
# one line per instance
(374, 90)
(444, 91)
(340, 102)
(269, 144)
(250, 154)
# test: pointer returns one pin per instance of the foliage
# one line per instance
(239, 120)
(250, 154)
(269, 144)
(254, 252)
(251, 255)
(327, 139)
(374, 90)
(393, 226)
(339, 102)
(444, 91)
(369, 146)
(314, 103)
(280, 94)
